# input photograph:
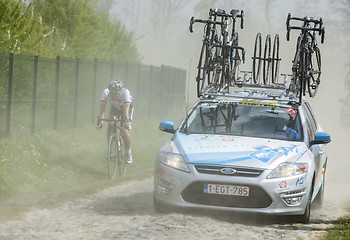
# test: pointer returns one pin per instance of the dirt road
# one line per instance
(126, 212)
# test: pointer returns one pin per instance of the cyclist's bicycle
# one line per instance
(306, 70)
(116, 155)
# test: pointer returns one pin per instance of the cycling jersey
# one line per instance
(124, 97)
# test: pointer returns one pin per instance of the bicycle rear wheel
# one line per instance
(217, 69)
(257, 59)
(121, 160)
(236, 64)
(235, 61)
(314, 74)
(112, 156)
(267, 60)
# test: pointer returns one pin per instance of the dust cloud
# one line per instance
(176, 46)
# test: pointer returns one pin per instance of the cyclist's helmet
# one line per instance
(115, 86)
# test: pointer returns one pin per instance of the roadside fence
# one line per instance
(40, 93)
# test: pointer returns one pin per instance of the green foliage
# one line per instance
(67, 28)
(68, 163)
(18, 27)
(341, 231)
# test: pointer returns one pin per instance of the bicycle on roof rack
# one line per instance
(219, 60)
(306, 69)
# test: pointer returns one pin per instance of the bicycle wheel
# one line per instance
(314, 73)
(201, 69)
(217, 69)
(275, 59)
(235, 61)
(295, 83)
(267, 60)
(112, 156)
(257, 58)
(303, 75)
(121, 160)
(235, 67)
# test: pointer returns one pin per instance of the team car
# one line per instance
(247, 151)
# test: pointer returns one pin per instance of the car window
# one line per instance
(244, 120)
(310, 119)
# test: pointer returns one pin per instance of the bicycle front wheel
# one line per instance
(275, 59)
(121, 160)
(112, 156)
(267, 60)
(257, 59)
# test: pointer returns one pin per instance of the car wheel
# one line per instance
(305, 218)
(158, 207)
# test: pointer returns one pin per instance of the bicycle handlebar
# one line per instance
(193, 20)
(110, 119)
(218, 13)
(306, 20)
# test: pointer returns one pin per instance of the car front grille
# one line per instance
(230, 170)
(257, 198)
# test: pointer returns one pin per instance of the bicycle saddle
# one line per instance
(234, 13)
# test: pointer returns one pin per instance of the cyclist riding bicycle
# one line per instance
(121, 105)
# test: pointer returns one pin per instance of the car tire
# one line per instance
(305, 218)
(159, 207)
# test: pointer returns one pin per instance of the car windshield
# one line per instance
(244, 120)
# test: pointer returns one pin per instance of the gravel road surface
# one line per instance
(126, 212)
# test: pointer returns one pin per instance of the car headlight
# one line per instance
(288, 169)
(173, 160)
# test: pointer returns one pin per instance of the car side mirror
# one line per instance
(321, 138)
(167, 126)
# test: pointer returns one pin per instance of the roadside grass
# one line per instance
(44, 169)
(341, 231)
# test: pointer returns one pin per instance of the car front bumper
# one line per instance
(282, 196)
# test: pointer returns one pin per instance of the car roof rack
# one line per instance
(245, 88)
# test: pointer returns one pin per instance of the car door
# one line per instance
(317, 149)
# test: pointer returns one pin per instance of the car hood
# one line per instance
(237, 151)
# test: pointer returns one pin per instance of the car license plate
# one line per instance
(226, 189)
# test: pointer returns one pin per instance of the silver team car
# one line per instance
(244, 151)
